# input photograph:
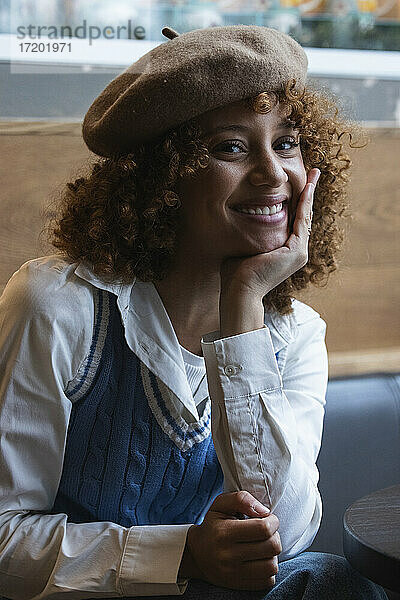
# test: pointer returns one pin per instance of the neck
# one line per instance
(190, 294)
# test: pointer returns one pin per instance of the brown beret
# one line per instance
(190, 74)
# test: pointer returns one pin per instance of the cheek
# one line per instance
(300, 185)
(200, 199)
(300, 175)
(298, 180)
(201, 184)
(205, 193)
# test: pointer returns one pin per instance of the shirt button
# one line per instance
(230, 370)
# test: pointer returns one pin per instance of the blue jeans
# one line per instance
(308, 576)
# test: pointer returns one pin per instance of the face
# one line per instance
(255, 165)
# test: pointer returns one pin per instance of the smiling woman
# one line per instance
(201, 157)
(162, 392)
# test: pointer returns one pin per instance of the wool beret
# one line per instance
(190, 74)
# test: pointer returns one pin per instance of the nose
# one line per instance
(268, 170)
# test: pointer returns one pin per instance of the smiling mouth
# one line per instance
(275, 215)
(261, 210)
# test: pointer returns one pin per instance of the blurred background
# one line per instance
(57, 55)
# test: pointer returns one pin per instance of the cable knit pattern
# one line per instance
(130, 457)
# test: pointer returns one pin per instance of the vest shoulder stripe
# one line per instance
(82, 381)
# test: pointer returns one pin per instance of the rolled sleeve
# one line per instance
(267, 421)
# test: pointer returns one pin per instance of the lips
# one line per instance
(260, 202)
(274, 220)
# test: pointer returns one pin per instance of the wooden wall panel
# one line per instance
(33, 167)
(361, 301)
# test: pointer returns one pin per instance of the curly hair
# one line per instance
(122, 217)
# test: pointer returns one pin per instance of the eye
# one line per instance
(230, 144)
(289, 142)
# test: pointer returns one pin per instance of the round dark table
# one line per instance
(371, 536)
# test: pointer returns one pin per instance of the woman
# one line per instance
(170, 307)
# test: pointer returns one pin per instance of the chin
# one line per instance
(261, 248)
(272, 244)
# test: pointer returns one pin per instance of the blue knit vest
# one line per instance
(129, 457)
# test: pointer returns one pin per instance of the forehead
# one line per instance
(239, 115)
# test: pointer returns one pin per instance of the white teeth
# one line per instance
(262, 211)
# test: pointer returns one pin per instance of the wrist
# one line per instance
(188, 568)
(240, 313)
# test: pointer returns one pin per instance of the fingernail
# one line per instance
(260, 509)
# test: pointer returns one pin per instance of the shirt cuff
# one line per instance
(242, 364)
(151, 561)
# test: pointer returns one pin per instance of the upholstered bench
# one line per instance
(360, 450)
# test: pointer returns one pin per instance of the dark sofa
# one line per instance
(360, 450)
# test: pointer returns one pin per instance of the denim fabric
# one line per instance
(308, 576)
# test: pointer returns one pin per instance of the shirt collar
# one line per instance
(148, 331)
(122, 291)
(151, 336)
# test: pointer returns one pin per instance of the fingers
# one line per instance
(247, 551)
(253, 530)
(313, 176)
(259, 569)
(231, 503)
(240, 581)
(253, 575)
(303, 221)
(308, 197)
(235, 553)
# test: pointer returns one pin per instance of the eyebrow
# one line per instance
(285, 124)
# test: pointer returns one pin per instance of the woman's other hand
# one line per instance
(259, 274)
(231, 552)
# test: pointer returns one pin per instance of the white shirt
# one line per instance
(195, 368)
(269, 413)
